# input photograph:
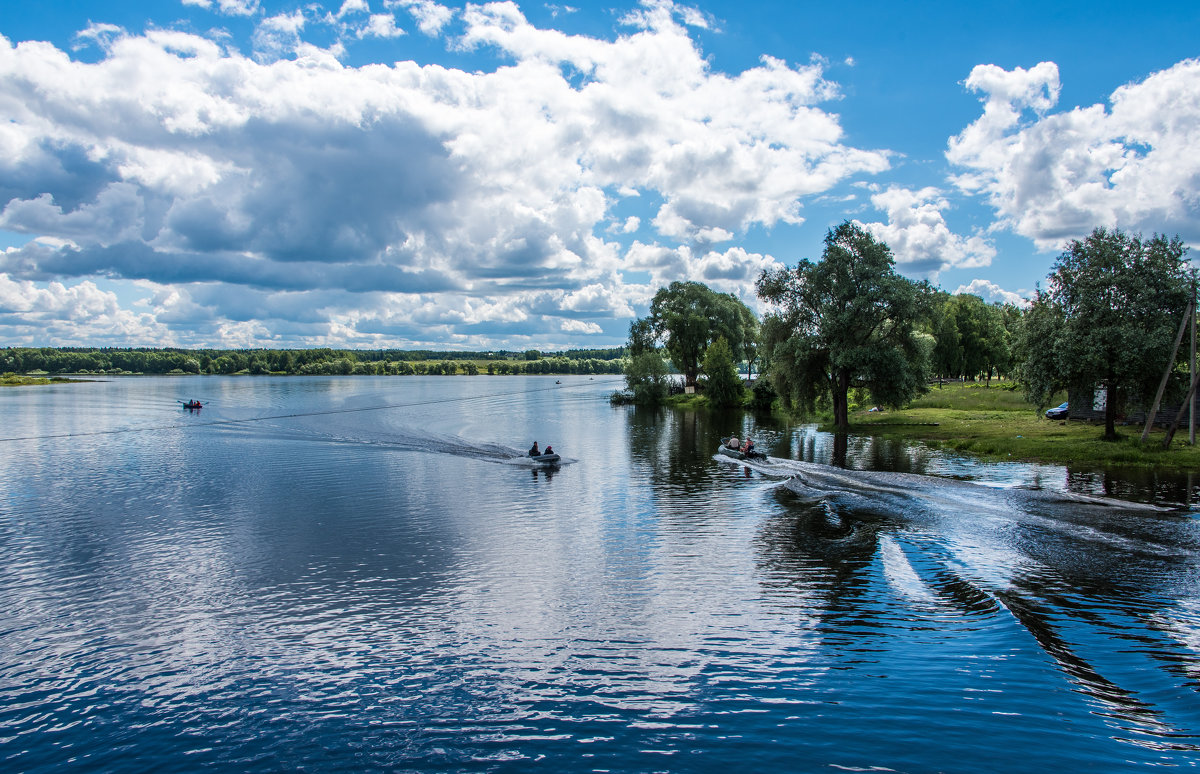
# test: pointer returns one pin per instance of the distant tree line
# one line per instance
(418, 355)
(324, 361)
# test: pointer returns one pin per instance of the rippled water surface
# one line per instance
(360, 574)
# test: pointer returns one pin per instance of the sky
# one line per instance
(410, 174)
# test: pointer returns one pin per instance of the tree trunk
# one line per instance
(841, 402)
(1110, 414)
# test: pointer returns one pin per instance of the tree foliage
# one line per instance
(647, 378)
(845, 322)
(1108, 316)
(724, 386)
(972, 339)
(689, 316)
(947, 357)
(984, 338)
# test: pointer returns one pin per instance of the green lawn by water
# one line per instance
(996, 423)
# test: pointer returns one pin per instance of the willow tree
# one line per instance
(845, 322)
(1108, 316)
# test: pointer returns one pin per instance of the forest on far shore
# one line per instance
(325, 361)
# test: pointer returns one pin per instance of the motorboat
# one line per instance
(546, 459)
(738, 454)
(193, 405)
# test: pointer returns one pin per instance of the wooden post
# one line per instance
(1192, 404)
(1187, 402)
(1187, 315)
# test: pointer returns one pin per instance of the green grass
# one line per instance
(997, 423)
(16, 380)
(694, 401)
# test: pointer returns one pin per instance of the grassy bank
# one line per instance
(995, 423)
(17, 380)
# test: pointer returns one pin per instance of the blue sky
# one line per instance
(417, 174)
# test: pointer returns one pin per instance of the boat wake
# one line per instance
(1068, 570)
(412, 439)
(461, 447)
(871, 490)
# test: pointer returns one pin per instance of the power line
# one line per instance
(326, 412)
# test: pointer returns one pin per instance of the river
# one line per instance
(362, 574)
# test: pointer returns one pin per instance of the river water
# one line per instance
(361, 574)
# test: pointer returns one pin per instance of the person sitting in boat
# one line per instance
(748, 447)
(534, 452)
(549, 450)
(732, 443)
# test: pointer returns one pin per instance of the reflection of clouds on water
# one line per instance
(901, 575)
(1181, 623)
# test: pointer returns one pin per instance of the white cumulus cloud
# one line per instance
(1054, 176)
(60, 315)
(350, 7)
(380, 25)
(919, 237)
(991, 292)
(227, 7)
(430, 17)
(732, 271)
(579, 326)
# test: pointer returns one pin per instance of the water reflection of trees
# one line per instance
(674, 449)
(860, 452)
(1137, 484)
(1077, 577)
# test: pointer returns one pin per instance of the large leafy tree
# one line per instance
(1107, 316)
(689, 316)
(847, 321)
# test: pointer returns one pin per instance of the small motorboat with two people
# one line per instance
(547, 457)
(740, 450)
(192, 405)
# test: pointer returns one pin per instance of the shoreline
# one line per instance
(995, 424)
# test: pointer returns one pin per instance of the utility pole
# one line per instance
(1188, 401)
(1188, 314)
(1192, 404)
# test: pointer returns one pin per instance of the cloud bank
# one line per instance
(405, 203)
